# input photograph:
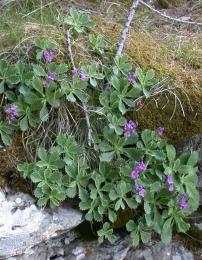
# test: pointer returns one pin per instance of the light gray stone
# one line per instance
(89, 250)
(25, 229)
(94, 251)
(160, 251)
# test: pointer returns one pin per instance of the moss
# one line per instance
(167, 3)
(192, 240)
(148, 51)
(9, 157)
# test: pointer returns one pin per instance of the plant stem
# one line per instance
(84, 104)
(123, 37)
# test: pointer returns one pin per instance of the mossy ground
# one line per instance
(9, 157)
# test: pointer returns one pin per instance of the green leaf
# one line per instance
(193, 159)
(37, 177)
(38, 85)
(130, 226)
(171, 152)
(42, 201)
(146, 92)
(93, 82)
(112, 215)
(1, 87)
(182, 225)
(122, 107)
(159, 155)
(131, 203)
(147, 207)
(38, 70)
(145, 236)
(42, 154)
(135, 238)
(146, 136)
(71, 192)
(44, 113)
(7, 140)
(106, 157)
(149, 75)
(85, 205)
(118, 204)
(193, 196)
(24, 124)
(166, 234)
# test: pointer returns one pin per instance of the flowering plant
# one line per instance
(118, 167)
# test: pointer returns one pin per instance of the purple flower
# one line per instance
(83, 76)
(132, 77)
(135, 174)
(170, 187)
(129, 128)
(75, 71)
(139, 167)
(140, 190)
(159, 131)
(48, 55)
(169, 179)
(80, 73)
(11, 112)
(51, 77)
(169, 182)
(183, 201)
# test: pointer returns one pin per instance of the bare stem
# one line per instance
(84, 104)
(130, 16)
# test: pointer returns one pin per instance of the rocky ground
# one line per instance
(29, 233)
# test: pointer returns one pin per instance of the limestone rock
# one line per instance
(25, 229)
(93, 251)
(123, 249)
(158, 251)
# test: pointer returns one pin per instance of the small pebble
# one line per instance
(78, 250)
(81, 256)
(18, 201)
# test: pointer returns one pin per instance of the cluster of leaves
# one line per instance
(103, 186)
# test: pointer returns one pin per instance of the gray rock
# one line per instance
(86, 250)
(26, 231)
(122, 249)
(160, 251)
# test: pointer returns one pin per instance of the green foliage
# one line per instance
(99, 177)
(106, 233)
(92, 72)
(98, 43)
(5, 132)
(75, 90)
(79, 21)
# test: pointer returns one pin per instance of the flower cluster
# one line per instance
(169, 182)
(129, 128)
(160, 131)
(11, 112)
(80, 73)
(48, 55)
(132, 78)
(51, 77)
(183, 201)
(139, 167)
(140, 190)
